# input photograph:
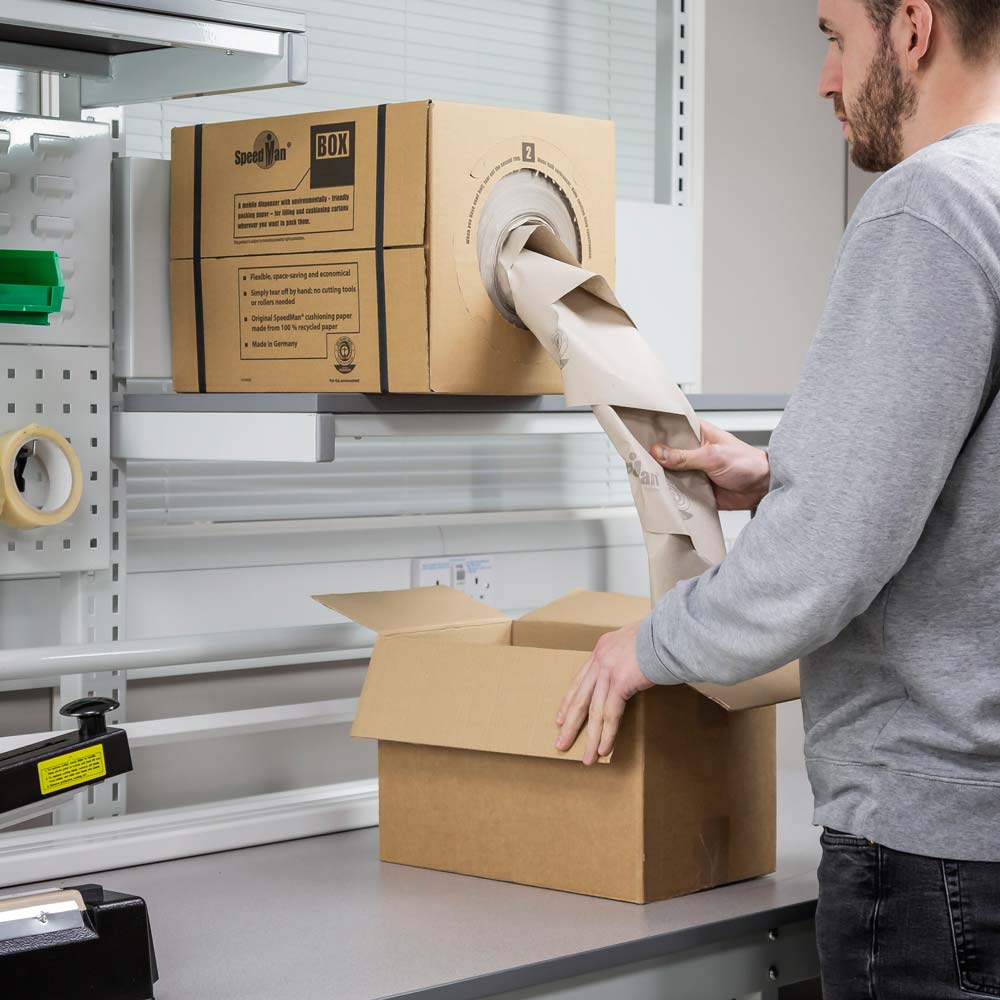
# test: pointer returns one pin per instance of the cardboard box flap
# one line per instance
(577, 620)
(498, 699)
(417, 610)
(586, 607)
(770, 689)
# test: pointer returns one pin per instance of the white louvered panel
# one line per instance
(388, 477)
(632, 99)
(595, 58)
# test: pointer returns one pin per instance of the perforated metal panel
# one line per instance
(55, 194)
(66, 388)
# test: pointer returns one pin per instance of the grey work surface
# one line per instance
(324, 918)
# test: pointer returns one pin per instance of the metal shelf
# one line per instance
(304, 427)
(154, 50)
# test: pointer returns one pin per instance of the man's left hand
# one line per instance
(599, 692)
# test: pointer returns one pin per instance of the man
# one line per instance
(874, 555)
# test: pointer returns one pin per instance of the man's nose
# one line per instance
(831, 78)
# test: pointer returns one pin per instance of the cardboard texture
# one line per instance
(337, 251)
(462, 700)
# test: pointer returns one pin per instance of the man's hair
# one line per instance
(974, 23)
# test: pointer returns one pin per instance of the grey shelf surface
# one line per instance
(363, 403)
(323, 917)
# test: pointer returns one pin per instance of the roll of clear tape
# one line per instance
(40, 478)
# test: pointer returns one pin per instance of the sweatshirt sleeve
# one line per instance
(893, 384)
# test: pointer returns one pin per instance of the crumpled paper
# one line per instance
(607, 365)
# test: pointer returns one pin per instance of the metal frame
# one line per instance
(301, 642)
(93, 611)
(180, 50)
(751, 966)
(673, 101)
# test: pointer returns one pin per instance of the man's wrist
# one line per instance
(652, 666)
(763, 481)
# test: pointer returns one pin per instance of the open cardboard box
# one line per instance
(462, 700)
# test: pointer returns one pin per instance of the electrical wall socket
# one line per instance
(435, 572)
(473, 575)
(478, 577)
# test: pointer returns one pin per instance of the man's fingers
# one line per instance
(614, 709)
(679, 459)
(595, 720)
(710, 434)
(571, 693)
(576, 712)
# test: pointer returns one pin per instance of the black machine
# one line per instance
(76, 941)
(32, 777)
(81, 941)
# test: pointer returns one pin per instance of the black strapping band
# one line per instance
(199, 315)
(383, 360)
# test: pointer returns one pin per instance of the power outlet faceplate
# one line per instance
(435, 572)
(472, 575)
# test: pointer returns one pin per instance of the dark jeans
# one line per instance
(893, 926)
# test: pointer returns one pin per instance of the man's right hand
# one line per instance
(740, 473)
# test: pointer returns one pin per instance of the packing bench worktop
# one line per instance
(323, 918)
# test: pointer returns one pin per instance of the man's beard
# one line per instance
(885, 101)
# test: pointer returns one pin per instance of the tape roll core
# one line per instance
(46, 454)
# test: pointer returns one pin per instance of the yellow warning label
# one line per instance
(69, 769)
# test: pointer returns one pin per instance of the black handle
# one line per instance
(90, 712)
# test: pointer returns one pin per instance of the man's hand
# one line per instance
(739, 472)
(599, 692)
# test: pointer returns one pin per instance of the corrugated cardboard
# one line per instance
(578, 620)
(336, 251)
(462, 700)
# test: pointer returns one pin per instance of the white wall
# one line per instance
(774, 200)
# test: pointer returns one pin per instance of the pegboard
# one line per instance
(55, 194)
(67, 389)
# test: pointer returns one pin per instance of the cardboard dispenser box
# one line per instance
(341, 251)
(462, 700)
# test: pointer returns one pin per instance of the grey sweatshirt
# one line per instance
(875, 557)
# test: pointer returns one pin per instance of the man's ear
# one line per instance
(918, 23)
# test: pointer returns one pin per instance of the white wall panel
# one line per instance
(29, 612)
(209, 771)
(388, 476)
(223, 600)
(774, 193)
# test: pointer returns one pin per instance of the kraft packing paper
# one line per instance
(607, 365)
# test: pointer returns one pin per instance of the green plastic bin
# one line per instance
(31, 286)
